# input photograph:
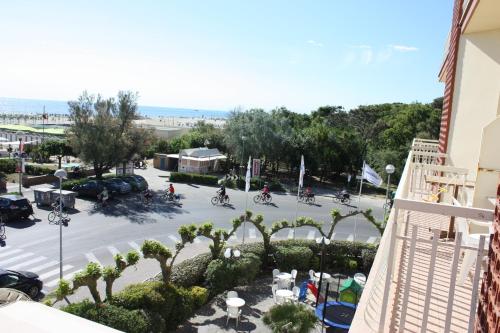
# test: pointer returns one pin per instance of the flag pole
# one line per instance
(359, 199)
(296, 211)
(247, 188)
(245, 215)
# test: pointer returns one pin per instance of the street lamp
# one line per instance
(243, 139)
(20, 138)
(232, 253)
(206, 142)
(61, 173)
(389, 169)
(323, 241)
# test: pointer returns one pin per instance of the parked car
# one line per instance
(26, 282)
(117, 185)
(15, 206)
(89, 189)
(137, 182)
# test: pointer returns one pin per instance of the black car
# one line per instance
(15, 206)
(137, 182)
(89, 189)
(26, 282)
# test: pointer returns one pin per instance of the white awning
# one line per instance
(209, 158)
(31, 317)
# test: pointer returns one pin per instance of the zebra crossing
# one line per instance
(48, 268)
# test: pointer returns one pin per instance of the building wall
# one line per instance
(476, 96)
(488, 311)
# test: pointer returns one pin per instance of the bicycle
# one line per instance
(147, 200)
(262, 198)
(218, 199)
(307, 198)
(171, 197)
(56, 212)
(339, 197)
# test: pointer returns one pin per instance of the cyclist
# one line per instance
(266, 191)
(57, 203)
(171, 191)
(222, 191)
(104, 196)
(309, 192)
(148, 195)
(344, 194)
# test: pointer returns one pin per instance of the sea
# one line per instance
(34, 106)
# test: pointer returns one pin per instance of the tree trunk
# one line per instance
(109, 289)
(165, 272)
(59, 158)
(98, 170)
(94, 292)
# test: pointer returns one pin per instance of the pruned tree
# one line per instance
(89, 277)
(110, 274)
(219, 237)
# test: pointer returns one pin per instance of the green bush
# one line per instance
(352, 265)
(224, 274)
(170, 303)
(132, 321)
(190, 272)
(302, 318)
(8, 165)
(193, 178)
(293, 257)
(367, 257)
(36, 170)
(69, 184)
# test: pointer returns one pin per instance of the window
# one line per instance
(8, 280)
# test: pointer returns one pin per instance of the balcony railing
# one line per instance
(418, 281)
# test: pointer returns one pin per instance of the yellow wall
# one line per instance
(476, 96)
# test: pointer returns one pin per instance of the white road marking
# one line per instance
(54, 272)
(43, 266)
(311, 234)
(3, 248)
(251, 233)
(66, 277)
(333, 236)
(290, 234)
(16, 258)
(92, 258)
(197, 240)
(350, 238)
(29, 262)
(371, 240)
(273, 236)
(8, 253)
(114, 251)
(135, 246)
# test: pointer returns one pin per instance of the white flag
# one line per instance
(371, 176)
(302, 172)
(249, 175)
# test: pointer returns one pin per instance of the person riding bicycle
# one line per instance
(222, 192)
(344, 194)
(309, 192)
(57, 204)
(266, 191)
(171, 191)
(148, 194)
(104, 196)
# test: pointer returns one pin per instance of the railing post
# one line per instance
(430, 279)
(388, 276)
(453, 280)
(409, 272)
(475, 285)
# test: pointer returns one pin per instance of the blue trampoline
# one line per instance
(337, 314)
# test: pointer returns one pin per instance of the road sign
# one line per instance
(256, 167)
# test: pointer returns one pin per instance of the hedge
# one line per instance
(258, 184)
(293, 257)
(69, 184)
(224, 274)
(190, 272)
(193, 178)
(8, 165)
(36, 170)
(131, 321)
(169, 303)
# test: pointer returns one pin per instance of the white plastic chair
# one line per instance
(472, 240)
(232, 294)
(275, 272)
(233, 312)
(294, 275)
(277, 299)
(311, 276)
(296, 293)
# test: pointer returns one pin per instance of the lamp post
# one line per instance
(323, 241)
(20, 138)
(243, 139)
(389, 169)
(61, 173)
(206, 146)
(232, 253)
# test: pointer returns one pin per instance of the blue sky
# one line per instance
(226, 54)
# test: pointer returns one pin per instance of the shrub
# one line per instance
(170, 303)
(223, 274)
(190, 272)
(193, 178)
(8, 165)
(293, 257)
(302, 318)
(36, 170)
(69, 184)
(367, 257)
(352, 265)
(132, 321)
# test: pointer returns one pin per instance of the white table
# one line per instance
(235, 302)
(360, 279)
(284, 280)
(326, 276)
(284, 294)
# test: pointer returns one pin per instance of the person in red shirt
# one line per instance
(171, 191)
(265, 190)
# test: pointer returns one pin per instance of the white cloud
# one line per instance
(403, 48)
(314, 43)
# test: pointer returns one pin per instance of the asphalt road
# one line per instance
(97, 234)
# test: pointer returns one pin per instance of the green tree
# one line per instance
(57, 148)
